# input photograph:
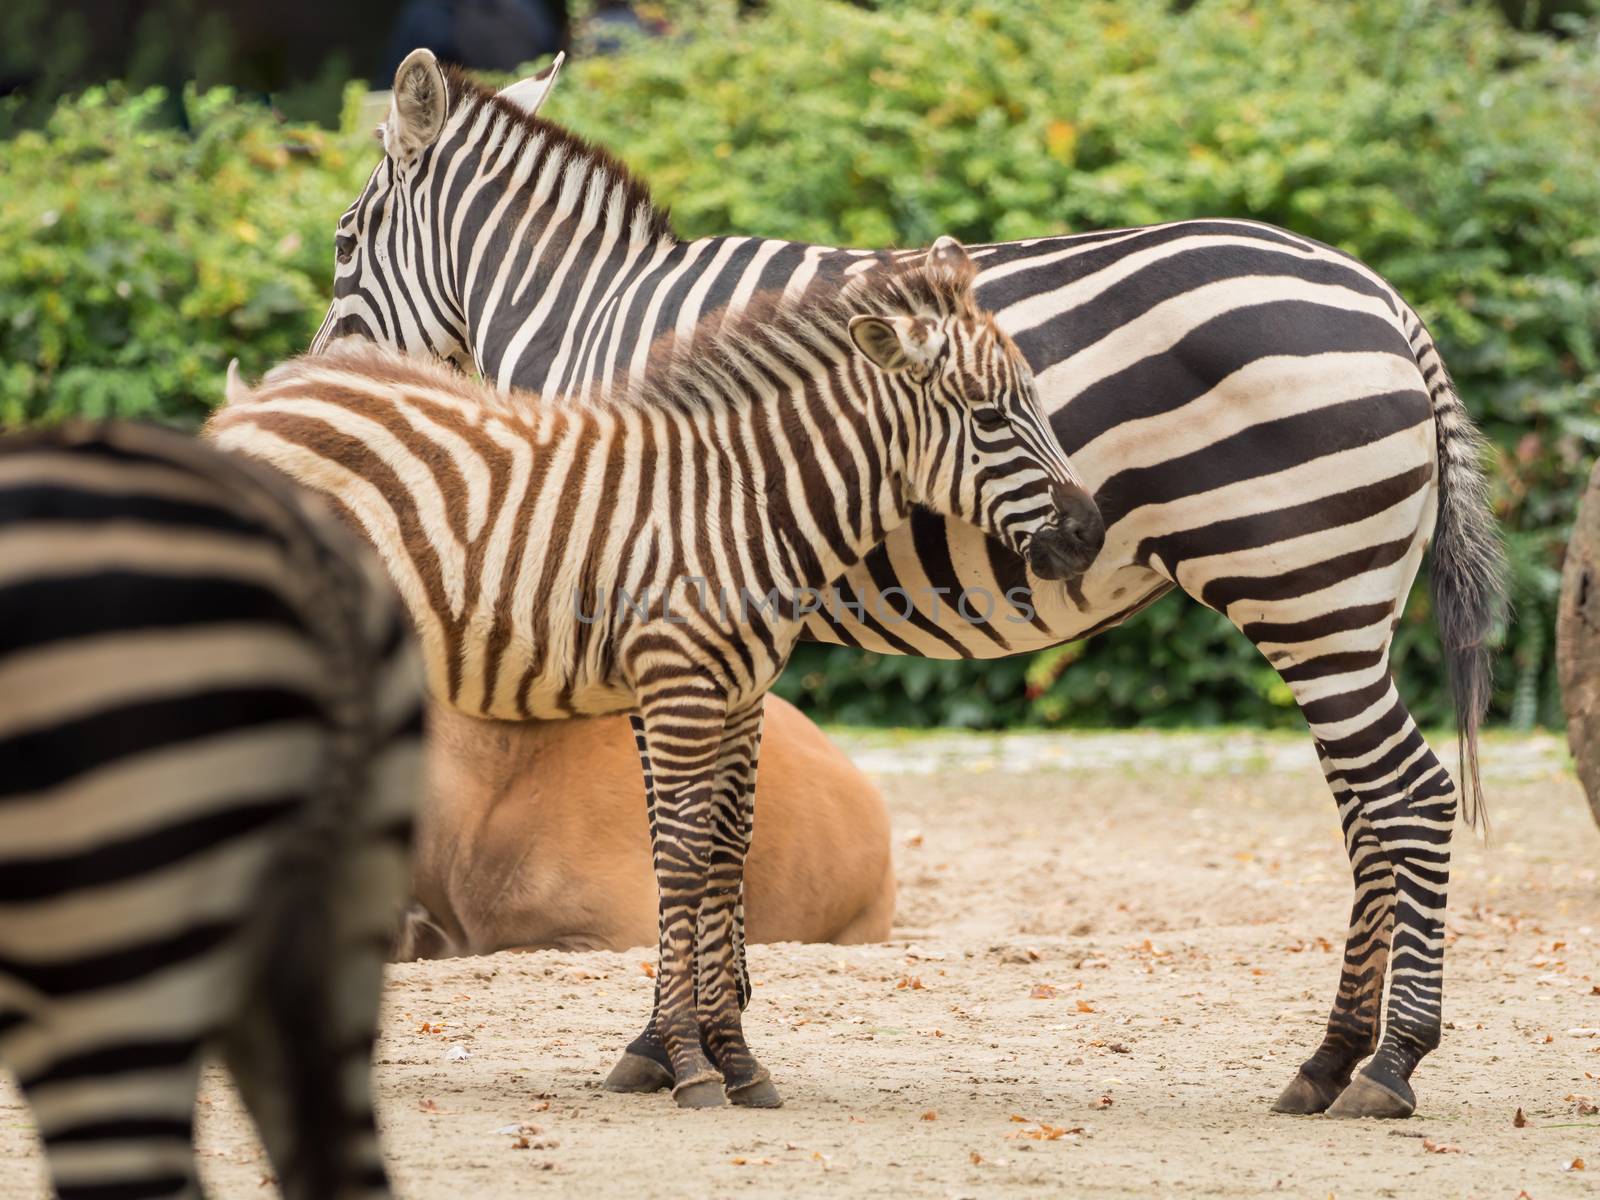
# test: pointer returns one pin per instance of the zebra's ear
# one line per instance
(530, 94)
(895, 343)
(950, 255)
(416, 107)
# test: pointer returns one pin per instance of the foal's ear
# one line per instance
(947, 254)
(896, 343)
(236, 391)
(528, 94)
(417, 107)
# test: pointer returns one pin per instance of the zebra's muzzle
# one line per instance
(1065, 549)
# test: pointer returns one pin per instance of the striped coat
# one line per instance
(209, 720)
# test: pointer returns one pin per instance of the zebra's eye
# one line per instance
(989, 418)
(344, 247)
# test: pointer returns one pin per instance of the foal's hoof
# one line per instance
(1366, 1097)
(760, 1094)
(636, 1073)
(1305, 1095)
(706, 1093)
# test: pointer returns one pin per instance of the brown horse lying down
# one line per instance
(533, 836)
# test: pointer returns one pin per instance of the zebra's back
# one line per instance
(209, 710)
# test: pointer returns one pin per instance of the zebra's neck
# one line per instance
(540, 230)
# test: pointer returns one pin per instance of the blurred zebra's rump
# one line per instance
(209, 736)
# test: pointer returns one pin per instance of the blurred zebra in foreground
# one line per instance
(209, 719)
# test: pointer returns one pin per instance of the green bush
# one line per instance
(135, 262)
(1453, 153)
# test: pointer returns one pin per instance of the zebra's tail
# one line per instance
(1468, 569)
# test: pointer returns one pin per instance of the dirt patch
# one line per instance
(1106, 968)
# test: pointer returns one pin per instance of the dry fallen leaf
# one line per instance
(910, 982)
(1519, 1120)
(975, 1158)
(1588, 1108)
(429, 1106)
(1020, 1120)
(1575, 1165)
(1433, 1147)
(930, 1115)
(1085, 1006)
(649, 970)
(1103, 1102)
(752, 1162)
(1043, 991)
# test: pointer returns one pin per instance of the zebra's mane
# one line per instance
(469, 98)
(721, 360)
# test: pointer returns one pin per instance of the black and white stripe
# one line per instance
(209, 736)
(1265, 424)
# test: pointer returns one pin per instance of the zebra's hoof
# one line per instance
(1305, 1096)
(636, 1073)
(1366, 1097)
(703, 1093)
(760, 1094)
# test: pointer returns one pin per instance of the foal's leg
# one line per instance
(644, 1065)
(683, 734)
(723, 976)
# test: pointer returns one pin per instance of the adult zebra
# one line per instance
(1264, 422)
(210, 709)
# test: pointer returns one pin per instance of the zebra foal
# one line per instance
(657, 550)
(209, 718)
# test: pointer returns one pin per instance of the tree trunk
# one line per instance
(1578, 641)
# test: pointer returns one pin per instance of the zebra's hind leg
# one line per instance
(1354, 1023)
(118, 1118)
(1398, 805)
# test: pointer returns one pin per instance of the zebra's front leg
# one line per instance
(683, 735)
(724, 979)
(644, 1065)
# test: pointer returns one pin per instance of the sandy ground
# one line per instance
(1111, 953)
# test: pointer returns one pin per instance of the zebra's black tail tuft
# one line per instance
(1469, 576)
